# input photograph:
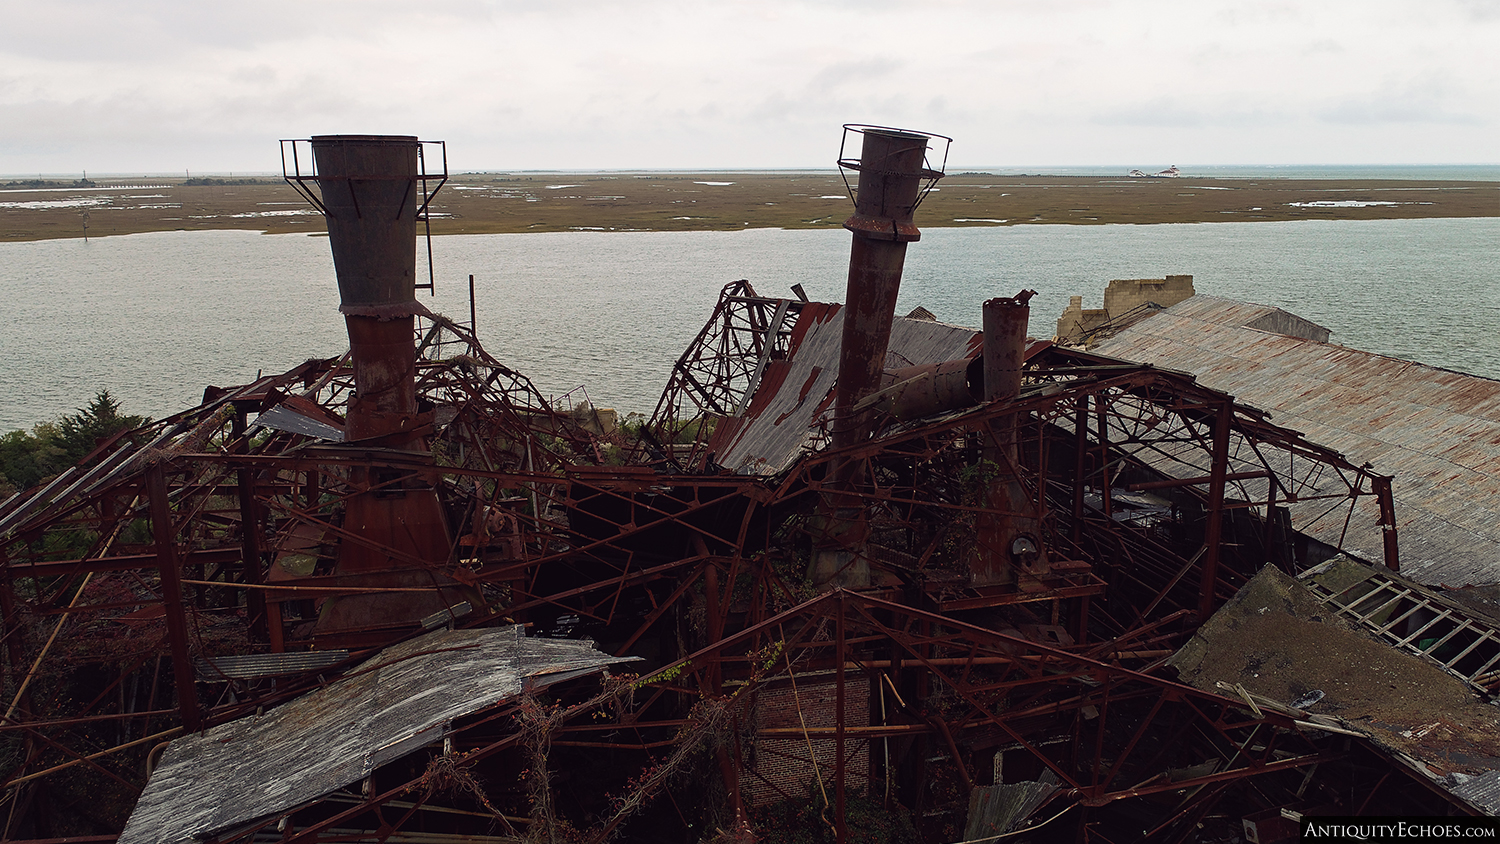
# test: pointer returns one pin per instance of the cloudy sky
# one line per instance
(172, 85)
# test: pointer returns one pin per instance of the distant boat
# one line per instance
(1169, 173)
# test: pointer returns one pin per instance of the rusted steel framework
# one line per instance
(717, 373)
(136, 577)
(1031, 546)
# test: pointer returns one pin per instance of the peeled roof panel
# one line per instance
(401, 699)
(1409, 709)
(784, 414)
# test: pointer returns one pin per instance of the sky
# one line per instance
(165, 86)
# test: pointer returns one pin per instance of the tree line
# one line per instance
(28, 458)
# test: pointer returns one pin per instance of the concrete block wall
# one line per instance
(1128, 294)
(1120, 297)
(1076, 321)
(780, 766)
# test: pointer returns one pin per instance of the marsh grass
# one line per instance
(551, 202)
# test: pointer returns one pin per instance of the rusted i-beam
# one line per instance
(165, 537)
(1382, 487)
(1214, 529)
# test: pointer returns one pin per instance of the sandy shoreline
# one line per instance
(490, 203)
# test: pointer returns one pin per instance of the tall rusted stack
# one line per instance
(369, 186)
(395, 531)
(891, 166)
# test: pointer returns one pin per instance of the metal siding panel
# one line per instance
(780, 422)
(259, 766)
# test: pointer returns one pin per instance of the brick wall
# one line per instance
(780, 766)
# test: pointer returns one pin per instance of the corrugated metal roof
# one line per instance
(400, 700)
(794, 394)
(250, 666)
(1436, 431)
(283, 418)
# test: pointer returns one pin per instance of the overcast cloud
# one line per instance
(164, 86)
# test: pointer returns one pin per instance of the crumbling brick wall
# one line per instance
(1076, 321)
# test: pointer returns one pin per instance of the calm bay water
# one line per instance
(156, 317)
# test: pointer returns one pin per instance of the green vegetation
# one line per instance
(38, 184)
(750, 200)
(223, 183)
(29, 458)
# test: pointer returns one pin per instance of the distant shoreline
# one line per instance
(511, 203)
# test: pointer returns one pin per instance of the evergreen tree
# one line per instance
(27, 459)
(79, 433)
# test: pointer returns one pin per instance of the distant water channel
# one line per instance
(156, 317)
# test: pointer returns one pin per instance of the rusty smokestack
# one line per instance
(1005, 322)
(891, 169)
(368, 186)
(369, 189)
(891, 166)
(1009, 547)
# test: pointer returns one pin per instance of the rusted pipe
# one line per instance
(1009, 545)
(369, 188)
(891, 169)
(890, 174)
(1005, 321)
(913, 392)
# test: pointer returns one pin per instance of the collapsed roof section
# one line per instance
(1319, 648)
(1434, 430)
(401, 699)
(965, 575)
(775, 406)
(664, 564)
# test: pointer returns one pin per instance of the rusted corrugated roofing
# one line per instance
(399, 701)
(794, 394)
(1436, 431)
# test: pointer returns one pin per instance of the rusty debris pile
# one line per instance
(860, 577)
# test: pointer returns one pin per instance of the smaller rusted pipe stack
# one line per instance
(1009, 547)
(890, 176)
(1004, 350)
